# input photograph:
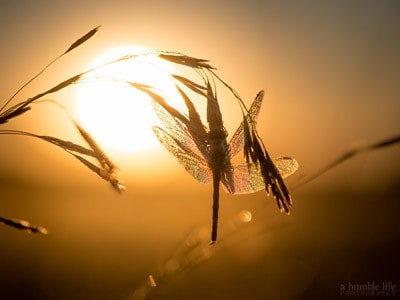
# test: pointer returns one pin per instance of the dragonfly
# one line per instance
(206, 155)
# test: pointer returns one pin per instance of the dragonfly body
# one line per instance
(206, 154)
(219, 159)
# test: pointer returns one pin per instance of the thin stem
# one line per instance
(74, 45)
(29, 81)
(233, 91)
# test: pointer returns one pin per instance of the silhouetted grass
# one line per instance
(194, 249)
(103, 168)
(384, 143)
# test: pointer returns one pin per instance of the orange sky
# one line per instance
(331, 73)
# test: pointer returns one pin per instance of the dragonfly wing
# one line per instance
(247, 178)
(286, 165)
(178, 131)
(237, 140)
(242, 179)
(193, 164)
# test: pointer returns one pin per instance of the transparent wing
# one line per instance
(286, 165)
(193, 163)
(242, 179)
(246, 178)
(179, 132)
(237, 140)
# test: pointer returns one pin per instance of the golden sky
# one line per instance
(330, 70)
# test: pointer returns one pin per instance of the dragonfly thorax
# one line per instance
(216, 135)
(218, 149)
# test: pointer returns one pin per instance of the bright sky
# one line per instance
(330, 71)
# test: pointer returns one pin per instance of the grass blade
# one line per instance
(73, 46)
(21, 107)
(195, 126)
(349, 154)
(105, 174)
(197, 88)
(13, 113)
(23, 225)
(107, 169)
(160, 100)
(82, 39)
(188, 61)
(67, 145)
(102, 158)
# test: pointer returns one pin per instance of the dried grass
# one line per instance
(193, 250)
(104, 167)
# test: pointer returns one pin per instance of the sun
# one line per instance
(118, 116)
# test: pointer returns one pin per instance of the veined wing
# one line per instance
(247, 178)
(179, 132)
(242, 179)
(237, 140)
(286, 165)
(194, 164)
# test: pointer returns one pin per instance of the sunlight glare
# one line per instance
(118, 116)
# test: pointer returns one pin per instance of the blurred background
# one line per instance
(330, 70)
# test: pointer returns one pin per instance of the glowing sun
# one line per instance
(117, 115)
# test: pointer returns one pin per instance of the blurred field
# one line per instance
(331, 73)
(101, 245)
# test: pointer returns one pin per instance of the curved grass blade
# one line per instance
(195, 87)
(349, 154)
(106, 171)
(103, 173)
(22, 107)
(23, 225)
(195, 126)
(73, 46)
(160, 100)
(65, 145)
